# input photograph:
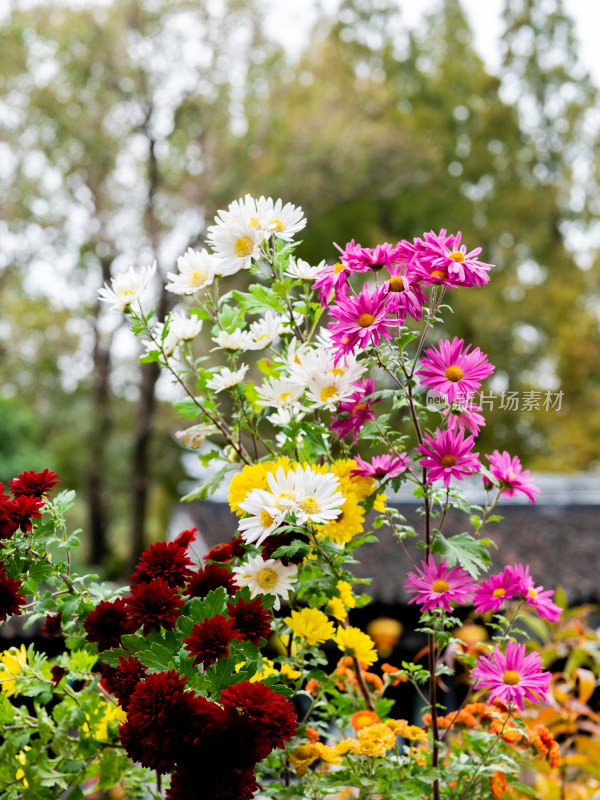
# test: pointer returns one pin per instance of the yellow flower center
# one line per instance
(276, 225)
(442, 274)
(198, 277)
(396, 284)
(454, 373)
(365, 320)
(127, 296)
(265, 519)
(267, 578)
(289, 495)
(440, 586)
(447, 461)
(337, 371)
(511, 678)
(255, 223)
(328, 393)
(532, 592)
(285, 396)
(457, 256)
(310, 505)
(244, 247)
(499, 592)
(338, 267)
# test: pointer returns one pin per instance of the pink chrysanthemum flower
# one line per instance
(536, 596)
(511, 475)
(405, 296)
(491, 593)
(334, 277)
(359, 407)
(361, 320)
(465, 418)
(441, 258)
(382, 466)
(453, 371)
(512, 677)
(436, 586)
(361, 259)
(448, 455)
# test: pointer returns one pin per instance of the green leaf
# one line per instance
(464, 550)
(187, 408)
(158, 657)
(215, 602)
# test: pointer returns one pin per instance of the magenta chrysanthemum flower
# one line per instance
(436, 586)
(465, 419)
(361, 320)
(491, 593)
(154, 605)
(405, 296)
(441, 258)
(34, 484)
(359, 407)
(382, 466)
(448, 455)
(511, 475)
(536, 596)
(453, 371)
(512, 677)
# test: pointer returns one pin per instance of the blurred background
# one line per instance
(125, 125)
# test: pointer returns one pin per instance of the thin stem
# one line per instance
(487, 754)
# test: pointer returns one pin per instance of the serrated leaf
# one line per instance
(215, 602)
(187, 408)
(463, 550)
(158, 657)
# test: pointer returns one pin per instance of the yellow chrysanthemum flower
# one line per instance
(375, 740)
(379, 504)
(359, 485)
(303, 755)
(98, 726)
(311, 624)
(353, 642)
(347, 524)
(345, 592)
(328, 754)
(13, 661)
(252, 476)
(268, 669)
(289, 672)
(347, 746)
(20, 773)
(401, 727)
(336, 609)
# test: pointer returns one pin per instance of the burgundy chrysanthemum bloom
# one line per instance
(359, 407)
(123, 682)
(276, 540)
(209, 640)
(166, 560)
(107, 623)
(22, 510)
(361, 320)
(441, 258)
(250, 620)
(511, 475)
(455, 372)
(382, 466)
(219, 552)
(217, 784)
(52, 625)
(209, 578)
(10, 599)
(448, 455)
(273, 715)
(154, 605)
(163, 720)
(491, 593)
(34, 484)
(57, 673)
(185, 538)
(436, 586)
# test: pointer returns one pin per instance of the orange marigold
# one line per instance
(554, 757)
(373, 681)
(396, 674)
(312, 735)
(313, 687)
(364, 718)
(498, 784)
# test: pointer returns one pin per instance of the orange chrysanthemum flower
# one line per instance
(498, 784)
(362, 719)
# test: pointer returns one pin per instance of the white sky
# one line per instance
(291, 19)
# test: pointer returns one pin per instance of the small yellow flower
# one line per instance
(328, 754)
(336, 609)
(379, 504)
(359, 485)
(311, 624)
(401, 727)
(268, 669)
(13, 661)
(345, 592)
(98, 727)
(303, 755)
(288, 672)
(347, 746)
(20, 773)
(347, 524)
(375, 740)
(353, 642)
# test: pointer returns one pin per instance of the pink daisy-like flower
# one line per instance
(359, 407)
(511, 475)
(436, 586)
(447, 455)
(513, 676)
(465, 419)
(536, 596)
(382, 466)
(491, 593)
(452, 371)
(441, 258)
(405, 296)
(362, 319)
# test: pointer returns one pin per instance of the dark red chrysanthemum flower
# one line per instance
(124, 680)
(34, 484)
(217, 784)
(275, 541)
(185, 538)
(107, 623)
(164, 560)
(225, 551)
(52, 625)
(164, 720)
(273, 715)
(154, 605)
(210, 640)
(10, 599)
(209, 578)
(250, 620)
(22, 510)
(58, 673)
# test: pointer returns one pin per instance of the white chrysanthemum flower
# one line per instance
(278, 219)
(126, 287)
(265, 330)
(241, 212)
(284, 416)
(196, 272)
(303, 270)
(283, 487)
(227, 378)
(235, 245)
(236, 340)
(281, 438)
(296, 350)
(266, 577)
(279, 392)
(179, 329)
(329, 389)
(265, 517)
(195, 436)
(318, 498)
